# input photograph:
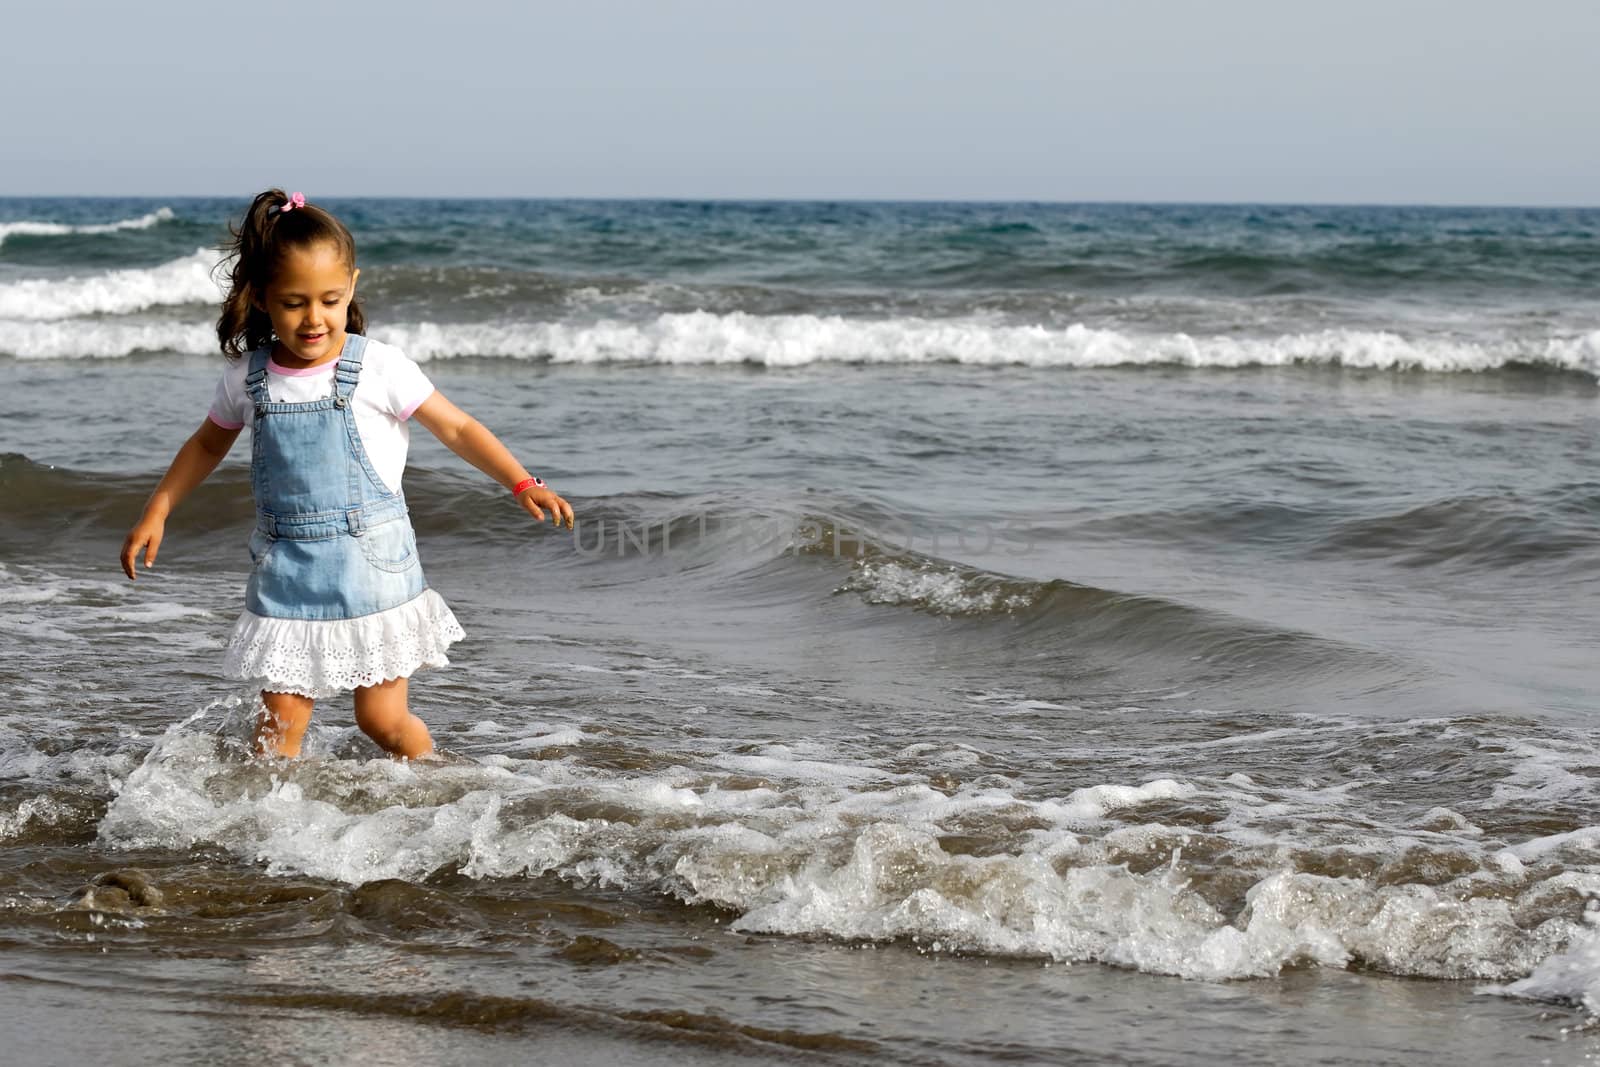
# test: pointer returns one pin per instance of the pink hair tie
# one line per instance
(295, 200)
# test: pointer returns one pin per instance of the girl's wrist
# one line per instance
(530, 482)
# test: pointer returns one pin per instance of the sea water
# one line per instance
(1044, 632)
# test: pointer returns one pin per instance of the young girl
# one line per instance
(336, 599)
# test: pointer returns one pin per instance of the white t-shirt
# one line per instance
(392, 387)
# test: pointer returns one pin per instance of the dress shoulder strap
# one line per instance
(348, 374)
(255, 379)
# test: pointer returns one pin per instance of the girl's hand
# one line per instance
(146, 534)
(540, 499)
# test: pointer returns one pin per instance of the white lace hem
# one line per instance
(321, 657)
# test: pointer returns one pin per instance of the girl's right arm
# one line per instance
(197, 458)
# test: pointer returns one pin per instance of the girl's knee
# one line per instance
(286, 703)
(383, 715)
(289, 712)
(282, 723)
(376, 718)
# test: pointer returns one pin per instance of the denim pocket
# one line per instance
(389, 546)
(261, 546)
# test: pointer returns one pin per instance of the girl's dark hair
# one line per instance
(258, 245)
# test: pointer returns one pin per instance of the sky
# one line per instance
(1400, 101)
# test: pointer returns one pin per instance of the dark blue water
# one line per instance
(1039, 284)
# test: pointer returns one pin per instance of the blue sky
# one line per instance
(1404, 101)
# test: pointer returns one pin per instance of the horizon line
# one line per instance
(1083, 202)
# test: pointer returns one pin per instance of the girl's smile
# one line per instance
(308, 301)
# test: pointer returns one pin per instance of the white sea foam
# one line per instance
(32, 228)
(104, 339)
(1570, 976)
(1095, 802)
(37, 325)
(22, 762)
(190, 280)
(35, 811)
(828, 846)
(798, 340)
(929, 586)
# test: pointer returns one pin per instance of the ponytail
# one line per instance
(257, 246)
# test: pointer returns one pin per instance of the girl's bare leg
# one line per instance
(382, 714)
(282, 723)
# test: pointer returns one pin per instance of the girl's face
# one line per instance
(308, 300)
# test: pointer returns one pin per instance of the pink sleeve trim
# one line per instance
(224, 423)
(408, 412)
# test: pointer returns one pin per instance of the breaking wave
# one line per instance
(795, 840)
(30, 328)
(190, 280)
(35, 228)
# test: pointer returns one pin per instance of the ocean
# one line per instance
(1036, 633)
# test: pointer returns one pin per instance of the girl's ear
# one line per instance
(354, 277)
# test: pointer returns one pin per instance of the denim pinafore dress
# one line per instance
(336, 597)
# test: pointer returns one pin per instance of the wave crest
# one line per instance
(1094, 873)
(36, 228)
(190, 280)
(799, 340)
(37, 322)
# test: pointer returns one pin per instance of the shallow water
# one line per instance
(908, 710)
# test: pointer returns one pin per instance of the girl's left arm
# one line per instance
(472, 441)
